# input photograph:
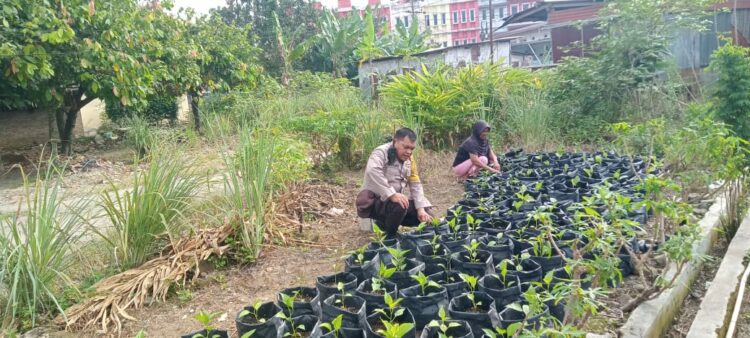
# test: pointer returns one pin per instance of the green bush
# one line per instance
(37, 251)
(444, 102)
(528, 121)
(159, 107)
(144, 215)
(291, 161)
(731, 92)
(249, 187)
(697, 150)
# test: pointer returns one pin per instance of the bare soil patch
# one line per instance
(692, 302)
(330, 238)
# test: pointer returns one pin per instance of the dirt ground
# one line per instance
(85, 175)
(228, 290)
(692, 302)
(743, 322)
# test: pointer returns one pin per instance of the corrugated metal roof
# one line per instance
(574, 14)
(518, 32)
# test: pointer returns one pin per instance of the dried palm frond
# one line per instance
(150, 282)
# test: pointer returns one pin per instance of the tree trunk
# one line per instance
(66, 119)
(193, 101)
(53, 130)
(66, 134)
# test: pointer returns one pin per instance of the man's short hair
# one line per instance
(405, 132)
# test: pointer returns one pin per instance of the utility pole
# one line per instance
(413, 14)
(492, 47)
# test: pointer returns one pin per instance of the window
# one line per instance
(443, 16)
(445, 44)
(398, 21)
(455, 17)
(471, 15)
(455, 43)
(465, 41)
(505, 12)
(406, 21)
(434, 19)
(525, 6)
(427, 20)
(473, 40)
(484, 15)
(513, 9)
(463, 15)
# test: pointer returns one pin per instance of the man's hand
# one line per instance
(400, 199)
(423, 216)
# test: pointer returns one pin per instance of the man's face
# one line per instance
(404, 148)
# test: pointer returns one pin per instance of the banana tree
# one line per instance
(288, 56)
(338, 39)
(409, 41)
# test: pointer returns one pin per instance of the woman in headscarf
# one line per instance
(475, 153)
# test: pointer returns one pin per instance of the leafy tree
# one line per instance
(731, 95)
(63, 55)
(338, 39)
(296, 19)
(224, 61)
(97, 49)
(622, 62)
(406, 42)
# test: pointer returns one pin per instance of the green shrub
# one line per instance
(36, 251)
(249, 187)
(159, 107)
(445, 102)
(731, 92)
(528, 121)
(142, 215)
(291, 161)
(697, 150)
(139, 135)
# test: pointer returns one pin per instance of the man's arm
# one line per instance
(415, 188)
(375, 179)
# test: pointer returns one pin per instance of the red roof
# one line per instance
(574, 14)
(741, 4)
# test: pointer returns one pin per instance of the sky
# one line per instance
(202, 6)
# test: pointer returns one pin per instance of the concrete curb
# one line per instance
(652, 318)
(716, 308)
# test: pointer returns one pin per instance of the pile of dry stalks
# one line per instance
(137, 287)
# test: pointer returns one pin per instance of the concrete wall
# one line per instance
(21, 129)
(453, 56)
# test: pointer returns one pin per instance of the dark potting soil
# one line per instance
(251, 320)
(377, 326)
(303, 298)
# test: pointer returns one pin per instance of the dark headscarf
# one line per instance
(474, 144)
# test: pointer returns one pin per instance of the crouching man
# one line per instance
(390, 169)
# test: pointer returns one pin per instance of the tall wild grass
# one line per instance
(147, 213)
(528, 121)
(37, 246)
(248, 186)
